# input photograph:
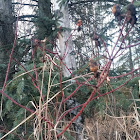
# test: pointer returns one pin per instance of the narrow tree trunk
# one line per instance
(66, 45)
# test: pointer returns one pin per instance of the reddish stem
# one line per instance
(8, 68)
(62, 93)
(64, 55)
(129, 73)
(121, 43)
(69, 111)
(37, 86)
(118, 37)
(76, 89)
(16, 102)
(84, 105)
(22, 67)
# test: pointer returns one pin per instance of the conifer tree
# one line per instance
(6, 36)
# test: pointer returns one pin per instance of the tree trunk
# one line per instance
(45, 19)
(45, 23)
(66, 45)
(6, 35)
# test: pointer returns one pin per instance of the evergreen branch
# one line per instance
(8, 68)
(117, 87)
(15, 3)
(79, 2)
(129, 73)
(22, 18)
(3, 93)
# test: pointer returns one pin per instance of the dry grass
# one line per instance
(124, 127)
